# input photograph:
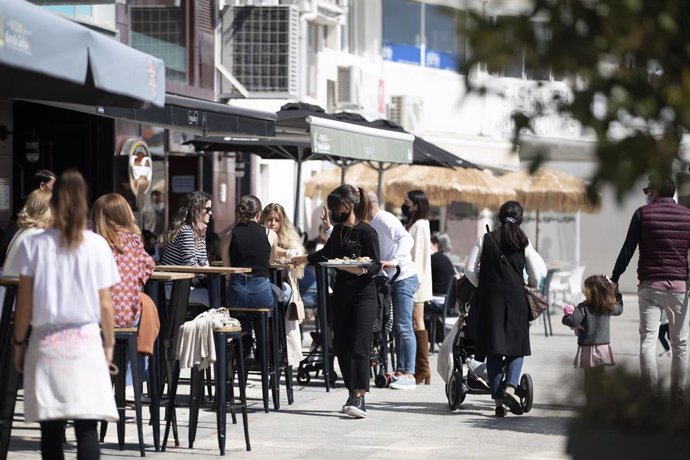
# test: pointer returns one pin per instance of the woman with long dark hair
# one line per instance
(354, 293)
(503, 313)
(415, 208)
(65, 276)
(185, 242)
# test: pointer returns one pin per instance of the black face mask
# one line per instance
(339, 217)
(406, 210)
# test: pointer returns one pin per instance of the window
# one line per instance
(402, 31)
(422, 34)
(160, 31)
(443, 45)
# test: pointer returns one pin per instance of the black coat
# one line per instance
(503, 313)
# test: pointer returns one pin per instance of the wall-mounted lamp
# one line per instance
(4, 132)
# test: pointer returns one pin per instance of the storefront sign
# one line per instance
(140, 165)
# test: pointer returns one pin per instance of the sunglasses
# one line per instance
(208, 210)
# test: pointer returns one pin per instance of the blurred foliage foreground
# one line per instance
(627, 62)
(627, 419)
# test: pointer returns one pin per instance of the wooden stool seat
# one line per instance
(126, 330)
(250, 310)
(228, 329)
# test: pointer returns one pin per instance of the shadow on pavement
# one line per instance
(432, 408)
(547, 425)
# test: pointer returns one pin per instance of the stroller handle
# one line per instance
(397, 273)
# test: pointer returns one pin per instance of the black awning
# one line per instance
(268, 149)
(47, 57)
(426, 153)
(192, 115)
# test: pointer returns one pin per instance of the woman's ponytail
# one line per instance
(511, 235)
(362, 208)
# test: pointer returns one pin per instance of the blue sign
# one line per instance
(441, 60)
(406, 54)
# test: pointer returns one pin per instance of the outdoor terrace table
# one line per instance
(9, 378)
(217, 290)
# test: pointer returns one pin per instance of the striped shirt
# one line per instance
(184, 250)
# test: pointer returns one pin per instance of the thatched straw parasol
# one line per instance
(361, 175)
(444, 185)
(551, 190)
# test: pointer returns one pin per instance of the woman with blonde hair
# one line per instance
(113, 219)
(65, 276)
(289, 245)
(32, 219)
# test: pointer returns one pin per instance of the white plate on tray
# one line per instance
(347, 262)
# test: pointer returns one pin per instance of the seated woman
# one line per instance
(251, 245)
(113, 220)
(185, 242)
(289, 245)
(34, 218)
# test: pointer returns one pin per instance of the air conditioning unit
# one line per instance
(348, 87)
(260, 50)
(407, 111)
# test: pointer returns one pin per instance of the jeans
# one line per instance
(675, 304)
(248, 291)
(494, 366)
(251, 291)
(405, 341)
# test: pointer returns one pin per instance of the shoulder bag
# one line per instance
(536, 301)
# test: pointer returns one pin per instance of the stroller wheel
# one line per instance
(526, 392)
(381, 381)
(303, 378)
(455, 391)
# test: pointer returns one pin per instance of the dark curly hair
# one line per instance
(247, 208)
(191, 207)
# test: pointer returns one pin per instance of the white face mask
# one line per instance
(159, 206)
(648, 198)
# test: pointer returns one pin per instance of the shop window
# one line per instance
(160, 31)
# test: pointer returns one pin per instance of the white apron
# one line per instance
(66, 375)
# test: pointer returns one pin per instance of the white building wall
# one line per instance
(476, 128)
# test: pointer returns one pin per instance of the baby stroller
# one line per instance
(462, 383)
(381, 345)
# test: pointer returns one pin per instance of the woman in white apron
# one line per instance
(65, 276)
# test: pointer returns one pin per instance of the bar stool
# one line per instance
(224, 338)
(269, 374)
(126, 347)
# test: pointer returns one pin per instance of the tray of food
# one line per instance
(348, 262)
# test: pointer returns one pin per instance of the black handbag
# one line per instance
(536, 301)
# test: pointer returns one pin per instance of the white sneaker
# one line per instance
(404, 383)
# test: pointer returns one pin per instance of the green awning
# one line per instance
(340, 139)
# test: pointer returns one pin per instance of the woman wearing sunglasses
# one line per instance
(185, 242)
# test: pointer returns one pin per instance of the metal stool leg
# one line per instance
(220, 343)
(263, 328)
(136, 381)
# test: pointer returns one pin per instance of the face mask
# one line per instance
(648, 198)
(159, 207)
(406, 210)
(339, 218)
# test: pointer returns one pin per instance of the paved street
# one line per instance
(401, 424)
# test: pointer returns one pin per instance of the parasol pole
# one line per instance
(577, 238)
(295, 221)
(379, 185)
(536, 242)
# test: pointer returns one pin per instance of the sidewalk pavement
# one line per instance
(400, 424)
